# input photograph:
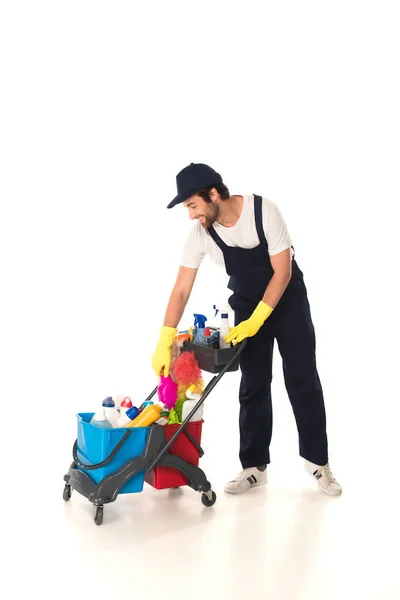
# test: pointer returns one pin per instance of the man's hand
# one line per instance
(162, 356)
(251, 326)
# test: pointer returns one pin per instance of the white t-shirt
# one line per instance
(244, 235)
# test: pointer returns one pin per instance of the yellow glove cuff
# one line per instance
(168, 335)
(262, 312)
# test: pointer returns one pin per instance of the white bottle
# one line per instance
(127, 417)
(118, 399)
(224, 326)
(100, 420)
(110, 411)
(189, 405)
(125, 405)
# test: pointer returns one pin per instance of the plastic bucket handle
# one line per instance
(105, 461)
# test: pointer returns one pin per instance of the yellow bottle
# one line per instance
(149, 415)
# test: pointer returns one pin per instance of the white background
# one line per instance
(102, 103)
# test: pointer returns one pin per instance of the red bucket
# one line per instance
(166, 477)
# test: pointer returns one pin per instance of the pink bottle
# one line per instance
(167, 391)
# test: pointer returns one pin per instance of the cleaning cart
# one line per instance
(109, 462)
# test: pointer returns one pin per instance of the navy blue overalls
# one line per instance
(290, 324)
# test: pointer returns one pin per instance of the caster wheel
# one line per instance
(98, 515)
(206, 500)
(67, 492)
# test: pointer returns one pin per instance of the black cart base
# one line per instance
(107, 489)
(155, 452)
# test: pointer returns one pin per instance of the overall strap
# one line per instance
(258, 219)
(220, 243)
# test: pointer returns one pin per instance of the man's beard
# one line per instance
(210, 219)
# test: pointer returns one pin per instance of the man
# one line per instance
(248, 237)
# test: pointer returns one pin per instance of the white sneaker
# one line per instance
(247, 479)
(326, 481)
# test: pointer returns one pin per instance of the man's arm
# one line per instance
(179, 296)
(282, 266)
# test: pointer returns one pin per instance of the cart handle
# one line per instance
(105, 461)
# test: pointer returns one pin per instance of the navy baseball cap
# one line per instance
(192, 179)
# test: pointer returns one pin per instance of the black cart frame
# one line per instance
(156, 449)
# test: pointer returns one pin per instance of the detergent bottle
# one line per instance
(147, 417)
(146, 403)
(100, 420)
(200, 325)
(127, 417)
(110, 411)
(125, 405)
(224, 327)
(190, 403)
(207, 336)
(118, 398)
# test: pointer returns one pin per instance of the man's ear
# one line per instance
(213, 195)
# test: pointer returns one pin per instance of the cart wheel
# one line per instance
(206, 500)
(67, 492)
(98, 515)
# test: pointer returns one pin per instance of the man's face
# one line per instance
(199, 209)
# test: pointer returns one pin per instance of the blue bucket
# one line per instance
(95, 444)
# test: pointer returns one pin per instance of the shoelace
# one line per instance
(327, 474)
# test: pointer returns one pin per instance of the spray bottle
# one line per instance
(200, 325)
(224, 327)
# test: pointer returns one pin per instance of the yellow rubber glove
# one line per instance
(249, 327)
(162, 356)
